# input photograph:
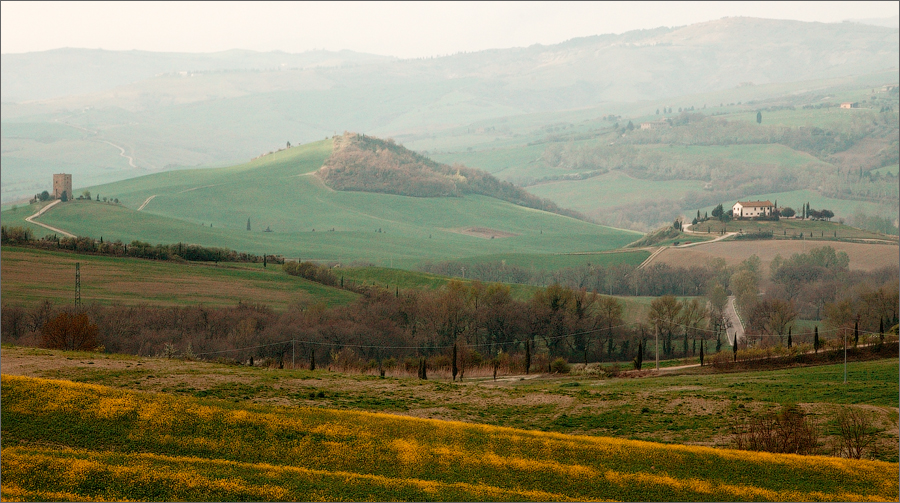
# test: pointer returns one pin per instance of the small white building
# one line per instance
(750, 209)
(662, 123)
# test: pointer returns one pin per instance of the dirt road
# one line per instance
(41, 212)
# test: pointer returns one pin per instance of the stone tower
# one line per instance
(62, 183)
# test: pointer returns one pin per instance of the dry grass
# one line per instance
(30, 276)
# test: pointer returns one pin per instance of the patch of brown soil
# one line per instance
(863, 257)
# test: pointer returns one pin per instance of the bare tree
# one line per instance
(858, 434)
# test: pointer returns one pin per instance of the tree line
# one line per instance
(139, 249)
(479, 323)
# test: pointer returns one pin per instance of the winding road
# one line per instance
(41, 212)
(687, 229)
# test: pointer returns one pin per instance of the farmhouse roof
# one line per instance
(755, 204)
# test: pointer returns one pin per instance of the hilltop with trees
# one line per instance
(364, 163)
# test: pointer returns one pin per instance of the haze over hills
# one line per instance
(507, 104)
(66, 72)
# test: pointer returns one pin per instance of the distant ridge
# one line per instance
(368, 164)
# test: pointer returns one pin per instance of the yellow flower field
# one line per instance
(65, 440)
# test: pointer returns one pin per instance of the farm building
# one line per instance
(62, 183)
(849, 104)
(655, 124)
(749, 209)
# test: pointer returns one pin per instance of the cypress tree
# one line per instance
(880, 330)
(454, 369)
(312, 360)
(424, 368)
(639, 359)
(856, 333)
(734, 348)
(701, 352)
(789, 338)
(527, 357)
(816, 339)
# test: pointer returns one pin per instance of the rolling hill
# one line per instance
(129, 445)
(196, 110)
(308, 220)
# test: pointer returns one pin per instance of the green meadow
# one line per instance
(307, 220)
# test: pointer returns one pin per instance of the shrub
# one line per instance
(560, 366)
(788, 431)
(69, 332)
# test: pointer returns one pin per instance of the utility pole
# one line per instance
(77, 285)
(657, 347)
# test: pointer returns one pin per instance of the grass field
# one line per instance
(31, 276)
(116, 444)
(789, 228)
(609, 190)
(212, 207)
(691, 406)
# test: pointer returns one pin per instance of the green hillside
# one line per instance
(308, 220)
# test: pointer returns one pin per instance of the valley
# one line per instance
(507, 274)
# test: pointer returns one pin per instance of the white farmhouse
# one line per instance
(749, 209)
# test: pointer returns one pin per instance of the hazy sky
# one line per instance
(402, 29)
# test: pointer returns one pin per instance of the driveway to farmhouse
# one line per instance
(734, 328)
